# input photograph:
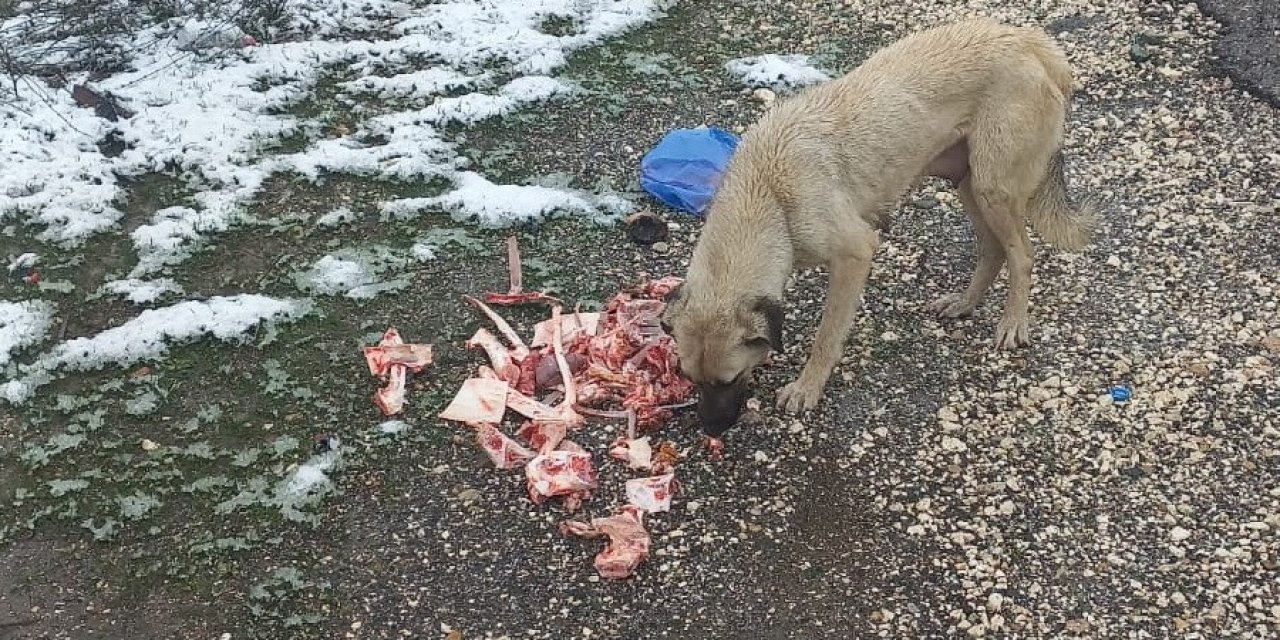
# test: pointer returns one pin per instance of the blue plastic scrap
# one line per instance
(1121, 393)
(685, 169)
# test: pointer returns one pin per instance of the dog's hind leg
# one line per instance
(848, 275)
(990, 259)
(1011, 144)
(1008, 227)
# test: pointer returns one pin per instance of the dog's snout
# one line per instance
(720, 406)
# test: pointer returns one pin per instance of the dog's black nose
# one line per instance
(720, 406)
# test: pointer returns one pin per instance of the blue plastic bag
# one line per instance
(686, 167)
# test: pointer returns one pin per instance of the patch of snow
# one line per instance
(172, 234)
(22, 324)
(308, 482)
(393, 427)
(209, 118)
(142, 291)
(333, 276)
(775, 71)
(408, 149)
(476, 198)
(341, 215)
(474, 107)
(148, 336)
(302, 487)
(354, 273)
(423, 252)
(24, 261)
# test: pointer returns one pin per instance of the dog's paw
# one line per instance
(1013, 332)
(796, 397)
(952, 305)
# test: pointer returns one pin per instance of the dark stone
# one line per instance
(112, 145)
(646, 228)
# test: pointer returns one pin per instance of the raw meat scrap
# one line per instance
(519, 350)
(390, 360)
(516, 294)
(499, 356)
(546, 371)
(569, 445)
(660, 288)
(652, 494)
(543, 436)
(560, 473)
(572, 327)
(390, 397)
(636, 453)
(665, 457)
(715, 447)
(479, 400)
(628, 541)
(532, 409)
(632, 362)
(414, 357)
(503, 451)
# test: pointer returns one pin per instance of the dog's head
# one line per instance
(719, 342)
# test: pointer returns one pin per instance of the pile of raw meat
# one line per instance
(614, 364)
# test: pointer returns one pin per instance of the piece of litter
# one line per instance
(1121, 393)
(323, 443)
(686, 167)
(645, 228)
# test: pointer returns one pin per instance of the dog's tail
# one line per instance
(1062, 223)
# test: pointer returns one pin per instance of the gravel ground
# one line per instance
(943, 488)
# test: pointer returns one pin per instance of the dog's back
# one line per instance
(876, 129)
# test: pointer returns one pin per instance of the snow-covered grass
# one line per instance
(209, 110)
(476, 198)
(149, 335)
(22, 324)
(140, 291)
(774, 71)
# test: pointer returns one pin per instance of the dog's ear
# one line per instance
(768, 321)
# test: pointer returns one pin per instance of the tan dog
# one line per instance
(976, 102)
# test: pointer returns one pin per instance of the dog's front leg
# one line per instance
(848, 279)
